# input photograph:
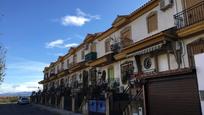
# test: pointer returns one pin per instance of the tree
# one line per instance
(2, 63)
(2, 59)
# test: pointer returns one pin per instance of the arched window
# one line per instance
(152, 22)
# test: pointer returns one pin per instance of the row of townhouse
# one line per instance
(142, 65)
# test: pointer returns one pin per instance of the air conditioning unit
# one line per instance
(165, 4)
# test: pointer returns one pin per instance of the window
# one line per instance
(126, 33)
(107, 45)
(111, 73)
(75, 59)
(127, 70)
(93, 47)
(202, 95)
(52, 71)
(58, 69)
(62, 66)
(126, 37)
(62, 82)
(152, 22)
(82, 55)
(86, 46)
(67, 63)
(93, 74)
(147, 63)
(47, 75)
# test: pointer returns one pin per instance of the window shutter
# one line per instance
(152, 22)
(126, 37)
(93, 47)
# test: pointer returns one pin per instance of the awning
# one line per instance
(146, 50)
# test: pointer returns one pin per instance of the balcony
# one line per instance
(117, 47)
(190, 16)
(90, 56)
(52, 75)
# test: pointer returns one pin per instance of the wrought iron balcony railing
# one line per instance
(190, 16)
(90, 56)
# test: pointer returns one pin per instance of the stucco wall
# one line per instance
(163, 62)
(199, 59)
(173, 63)
(165, 21)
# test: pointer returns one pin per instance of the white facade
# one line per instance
(199, 59)
(139, 31)
(165, 21)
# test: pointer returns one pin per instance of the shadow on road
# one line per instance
(14, 109)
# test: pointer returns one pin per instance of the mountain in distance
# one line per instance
(16, 94)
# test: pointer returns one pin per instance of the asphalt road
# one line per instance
(14, 109)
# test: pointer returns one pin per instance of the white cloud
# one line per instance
(74, 20)
(22, 87)
(79, 19)
(60, 44)
(55, 43)
(23, 75)
(71, 45)
(81, 13)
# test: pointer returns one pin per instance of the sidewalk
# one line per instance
(55, 110)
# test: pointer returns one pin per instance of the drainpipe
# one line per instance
(175, 1)
(183, 52)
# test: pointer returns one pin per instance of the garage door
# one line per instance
(175, 96)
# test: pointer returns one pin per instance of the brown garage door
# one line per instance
(175, 96)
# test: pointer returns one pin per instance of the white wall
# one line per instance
(139, 27)
(165, 21)
(163, 62)
(71, 59)
(179, 5)
(173, 63)
(79, 56)
(65, 64)
(199, 61)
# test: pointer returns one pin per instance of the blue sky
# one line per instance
(36, 32)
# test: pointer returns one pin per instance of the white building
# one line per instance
(147, 55)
